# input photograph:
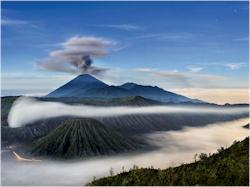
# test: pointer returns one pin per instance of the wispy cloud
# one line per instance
(144, 69)
(234, 66)
(125, 27)
(195, 69)
(189, 76)
(243, 39)
(231, 65)
(175, 78)
(16, 22)
(166, 36)
(11, 22)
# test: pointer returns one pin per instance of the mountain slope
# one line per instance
(81, 138)
(228, 167)
(156, 93)
(140, 124)
(107, 92)
(120, 101)
(30, 132)
(77, 86)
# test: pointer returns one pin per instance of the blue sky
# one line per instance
(169, 44)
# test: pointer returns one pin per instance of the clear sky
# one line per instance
(194, 48)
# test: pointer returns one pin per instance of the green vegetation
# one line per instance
(228, 167)
(83, 137)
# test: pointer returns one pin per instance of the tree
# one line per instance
(195, 157)
(203, 156)
(135, 167)
(220, 149)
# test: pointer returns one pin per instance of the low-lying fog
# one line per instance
(26, 110)
(176, 147)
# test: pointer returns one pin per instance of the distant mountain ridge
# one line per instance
(87, 86)
(155, 93)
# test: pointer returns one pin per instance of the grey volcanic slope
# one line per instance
(81, 138)
(31, 131)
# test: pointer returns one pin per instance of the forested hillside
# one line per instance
(227, 167)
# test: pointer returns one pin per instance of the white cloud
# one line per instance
(234, 66)
(231, 65)
(144, 69)
(15, 22)
(195, 69)
(126, 27)
(243, 39)
(10, 22)
(166, 36)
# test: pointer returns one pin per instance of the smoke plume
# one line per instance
(77, 55)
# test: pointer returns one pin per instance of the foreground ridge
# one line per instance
(227, 167)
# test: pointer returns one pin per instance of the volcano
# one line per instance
(87, 86)
(79, 138)
(78, 87)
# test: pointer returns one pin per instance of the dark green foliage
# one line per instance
(229, 167)
(83, 137)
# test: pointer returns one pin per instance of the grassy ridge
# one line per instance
(228, 167)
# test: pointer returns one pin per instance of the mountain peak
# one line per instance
(129, 85)
(77, 86)
(86, 77)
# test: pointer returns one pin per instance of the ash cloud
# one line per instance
(77, 56)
